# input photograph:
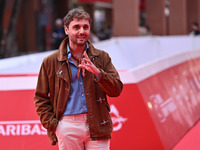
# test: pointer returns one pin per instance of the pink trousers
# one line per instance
(73, 134)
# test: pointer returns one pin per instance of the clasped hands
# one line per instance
(86, 64)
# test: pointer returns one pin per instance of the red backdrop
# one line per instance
(153, 113)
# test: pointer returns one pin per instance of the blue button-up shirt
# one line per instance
(76, 103)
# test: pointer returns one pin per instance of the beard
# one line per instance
(80, 41)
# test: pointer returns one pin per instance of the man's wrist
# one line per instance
(98, 74)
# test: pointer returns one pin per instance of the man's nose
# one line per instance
(82, 30)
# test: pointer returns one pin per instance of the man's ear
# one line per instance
(66, 30)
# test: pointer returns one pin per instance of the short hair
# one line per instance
(76, 13)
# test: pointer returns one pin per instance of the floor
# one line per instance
(191, 141)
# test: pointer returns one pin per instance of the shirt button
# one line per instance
(82, 94)
(81, 83)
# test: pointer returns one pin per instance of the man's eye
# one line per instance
(76, 27)
(85, 27)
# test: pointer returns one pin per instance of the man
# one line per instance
(73, 82)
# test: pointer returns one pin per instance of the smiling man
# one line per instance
(73, 83)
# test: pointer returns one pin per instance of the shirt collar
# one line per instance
(69, 53)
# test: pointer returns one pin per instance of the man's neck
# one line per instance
(77, 50)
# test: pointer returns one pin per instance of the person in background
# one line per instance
(195, 29)
(72, 89)
(58, 33)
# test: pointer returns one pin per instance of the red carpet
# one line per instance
(191, 141)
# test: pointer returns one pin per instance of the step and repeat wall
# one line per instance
(160, 102)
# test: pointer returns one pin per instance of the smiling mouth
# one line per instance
(81, 37)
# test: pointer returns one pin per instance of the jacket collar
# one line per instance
(62, 52)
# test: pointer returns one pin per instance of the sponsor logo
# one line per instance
(21, 128)
(116, 118)
(163, 108)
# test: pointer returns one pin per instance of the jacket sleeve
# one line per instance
(109, 79)
(42, 102)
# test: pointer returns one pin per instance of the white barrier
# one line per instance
(126, 52)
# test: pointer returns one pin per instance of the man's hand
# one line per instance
(88, 65)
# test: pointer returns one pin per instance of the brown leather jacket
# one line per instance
(53, 89)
